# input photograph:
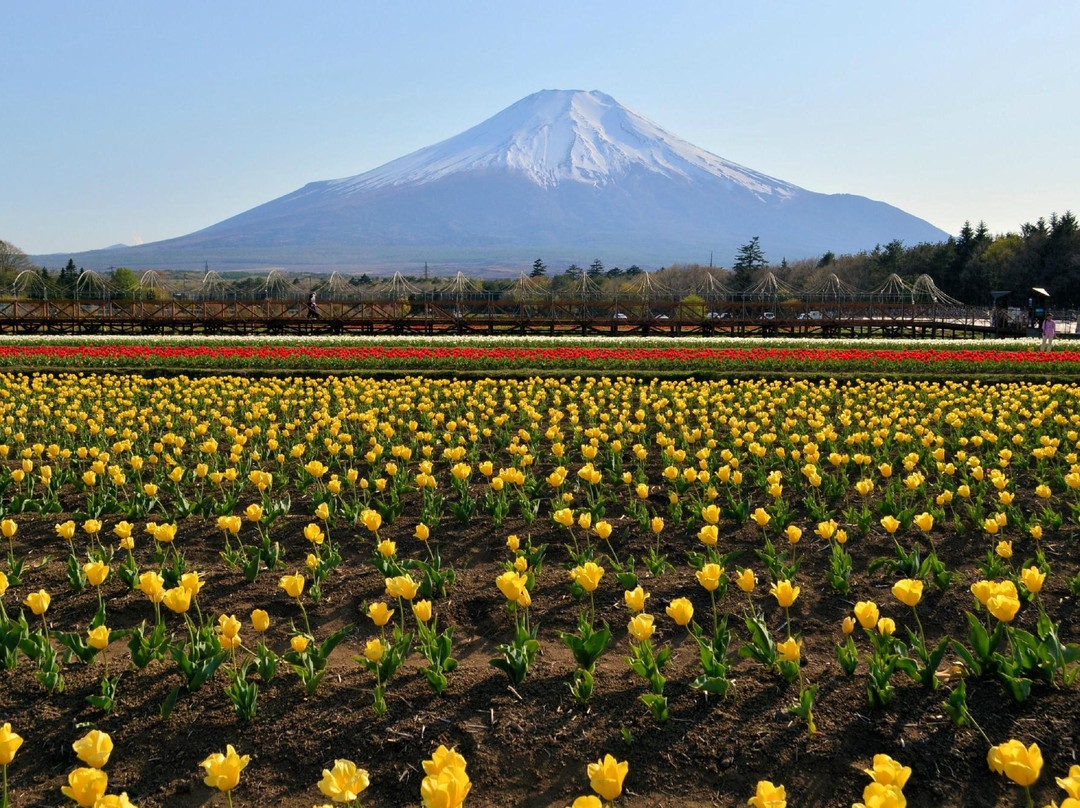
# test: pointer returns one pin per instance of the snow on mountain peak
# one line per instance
(556, 136)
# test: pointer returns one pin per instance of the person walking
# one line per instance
(312, 307)
(1049, 329)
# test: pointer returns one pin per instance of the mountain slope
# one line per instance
(567, 175)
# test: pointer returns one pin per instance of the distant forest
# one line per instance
(968, 267)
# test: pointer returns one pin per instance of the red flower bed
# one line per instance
(385, 355)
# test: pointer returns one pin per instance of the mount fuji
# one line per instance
(564, 175)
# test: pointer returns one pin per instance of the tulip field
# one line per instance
(576, 590)
(1006, 359)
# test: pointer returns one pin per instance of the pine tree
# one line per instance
(748, 260)
(596, 269)
(539, 269)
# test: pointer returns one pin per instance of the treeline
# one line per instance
(968, 266)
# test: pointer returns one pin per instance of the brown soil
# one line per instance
(529, 746)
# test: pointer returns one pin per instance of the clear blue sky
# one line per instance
(136, 121)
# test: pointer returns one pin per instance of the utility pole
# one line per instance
(425, 271)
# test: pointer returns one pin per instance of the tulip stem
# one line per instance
(712, 600)
(228, 798)
(5, 802)
(922, 636)
(1027, 793)
(303, 611)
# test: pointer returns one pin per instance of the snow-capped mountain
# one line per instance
(564, 175)
(557, 136)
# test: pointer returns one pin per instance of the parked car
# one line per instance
(768, 315)
(810, 315)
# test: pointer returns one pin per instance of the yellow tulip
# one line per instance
(94, 748)
(1021, 765)
(443, 758)
(1033, 579)
(925, 522)
(793, 533)
(371, 519)
(635, 599)
(768, 795)
(345, 781)
(380, 613)
(387, 548)
(709, 576)
(889, 772)
(422, 532)
(38, 601)
(761, 517)
(313, 533)
(98, 638)
(711, 514)
(1004, 607)
(866, 612)
(1004, 549)
(66, 530)
(191, 582)
(877, 795)
(153, 586)
(229, 626)
(641, 626)
(587, 576)
(299, 643)
(908, 591)
(890, 523)
(564, 516)
(784, 593)
(177, 599)
(681, 611)
(403, 586)
(292, 584)
(603, 529)
(886, 626)
(746, 580)
(789, 650)
(587, 801)
(223, 770)
(253, 512)
(260, 620)
(422, 610)
(848, 625)
(86, 786)
(606, 777)
(708, 535)
(9, 744)
(447, 789)
(96, 572)
(8, 527)
(374, 651)
(115, 801)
